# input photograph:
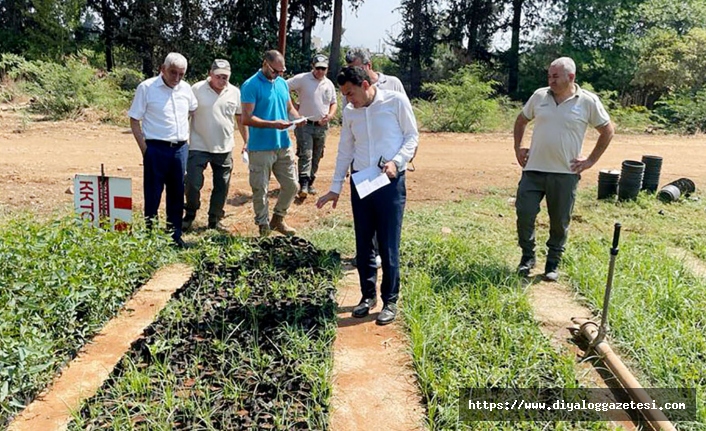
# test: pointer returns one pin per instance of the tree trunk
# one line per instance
(282, 43)
(108, 32)
(333, 64)
(513, 80)
(309, 22)
(415, 64)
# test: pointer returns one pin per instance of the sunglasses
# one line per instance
(275, 71)
(321, 68)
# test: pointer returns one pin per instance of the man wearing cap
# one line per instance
(212, 142)
(316, 101)
(268, 112)
(159, 120)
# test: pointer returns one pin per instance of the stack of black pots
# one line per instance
(608, 183)
(653, 167)
(674, 190)
(630, 180)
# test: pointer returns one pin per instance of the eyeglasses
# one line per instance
(321, 68)
(275, 71)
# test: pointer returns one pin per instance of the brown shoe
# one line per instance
(278, 224)
(264, 230)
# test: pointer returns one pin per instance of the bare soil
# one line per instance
(38, 161)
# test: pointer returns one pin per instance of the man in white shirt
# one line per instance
(379, 130)
(552, 165)
(212, 141)
(316, 101)
(159, 119)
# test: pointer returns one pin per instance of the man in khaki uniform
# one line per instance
(212, 131)
(552, 164)
(316, 101)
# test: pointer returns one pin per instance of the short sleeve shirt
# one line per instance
(559, 130)
(163, 111)
(213, 123)
(315, 96)
(270, 99)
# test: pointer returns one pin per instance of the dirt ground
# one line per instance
(39, 160)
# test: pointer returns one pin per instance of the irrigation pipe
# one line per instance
(595, 335)
(655, 418)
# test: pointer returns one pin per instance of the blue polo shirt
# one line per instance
(270, 99)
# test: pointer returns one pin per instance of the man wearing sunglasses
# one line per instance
(267, 110)
(317, 102)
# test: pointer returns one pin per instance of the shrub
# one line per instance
(70, 89)
(683, 112)
(463, 104)
(630, 119)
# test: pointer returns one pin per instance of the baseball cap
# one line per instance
(320, 60)
(220, 67)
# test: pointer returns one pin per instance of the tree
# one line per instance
(417, 41)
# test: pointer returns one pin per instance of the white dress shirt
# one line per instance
(163, 111)
(386, 128)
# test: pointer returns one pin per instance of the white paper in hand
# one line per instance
(245, 157)
(368, 180)
(295, 122)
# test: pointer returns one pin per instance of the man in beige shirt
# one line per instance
(212, 142)
(317, 102)
(553, 163)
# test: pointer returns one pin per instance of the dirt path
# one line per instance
(81, 379)
(374, 383)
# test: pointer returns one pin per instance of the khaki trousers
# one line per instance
(262, 165)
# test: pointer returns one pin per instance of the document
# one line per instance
(297, 121)
(368, 180)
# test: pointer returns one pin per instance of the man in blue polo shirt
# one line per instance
(159, 119)
(267, 110)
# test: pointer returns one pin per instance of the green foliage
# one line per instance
(60, 281)
(463, 103)
(627, 119)
(683, 112)
(69, 89)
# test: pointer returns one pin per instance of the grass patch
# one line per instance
(60, 282)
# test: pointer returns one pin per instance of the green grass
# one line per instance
(470, 323)
(60, 282)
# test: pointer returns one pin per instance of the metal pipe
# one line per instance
(655, 418)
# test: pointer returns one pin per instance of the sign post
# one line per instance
(104, 201)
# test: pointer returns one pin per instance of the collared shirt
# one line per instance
(163, 111)
(270, 99)
(213, 123)
(386, 128)
(559, 129)
(315, 96)
(388, 82)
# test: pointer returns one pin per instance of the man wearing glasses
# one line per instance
(317, 102)
(267, 109)
(212, 141)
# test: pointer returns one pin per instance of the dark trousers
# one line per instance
(164, 166)
(222, 166)
(380, 213)
(560, 193)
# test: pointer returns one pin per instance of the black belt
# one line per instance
(314, 123)
(170, 144)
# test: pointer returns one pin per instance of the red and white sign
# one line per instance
(102, 200)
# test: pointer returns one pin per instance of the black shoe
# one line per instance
(217, 225)
(179, 243)
(364, 306)
(187, 222)
(525, 266)
(551, 270)
(388, 314)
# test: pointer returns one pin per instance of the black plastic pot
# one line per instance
(630, 181)
(653, 168)
(608, 183)
(676, 189)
